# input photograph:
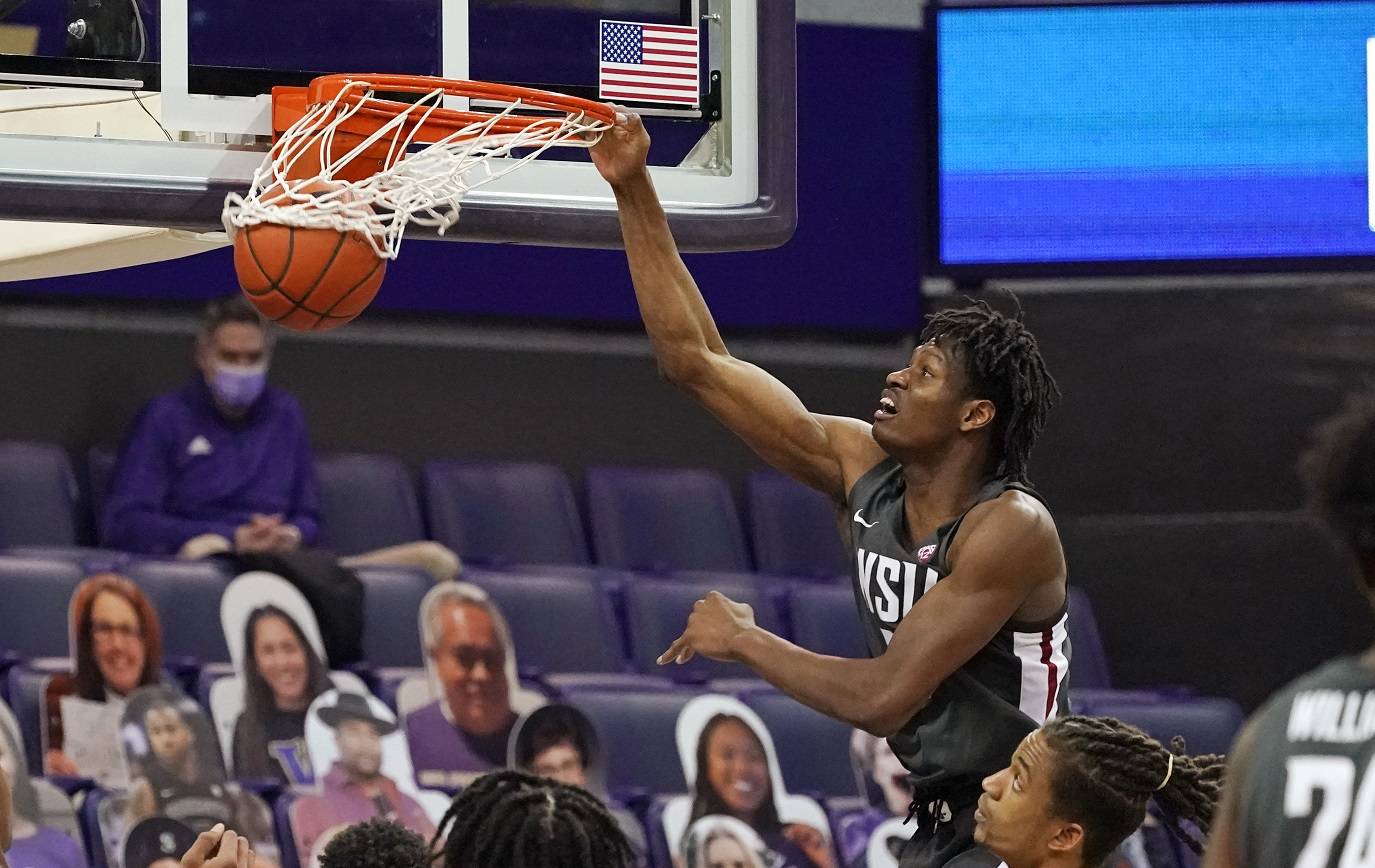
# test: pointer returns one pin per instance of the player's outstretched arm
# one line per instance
(1008, 550)
(817, 450)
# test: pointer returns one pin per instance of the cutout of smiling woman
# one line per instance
(275, 643)
(732, 770)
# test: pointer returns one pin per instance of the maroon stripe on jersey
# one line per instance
(1051, 670)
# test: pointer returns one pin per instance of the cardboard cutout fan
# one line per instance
(363, 770)
(561, 743)
(177, 773)
(42, 823)
(732, 769)
(460, 715)
(718, 840)
(873, 837)
(279, 657)
(115, 646)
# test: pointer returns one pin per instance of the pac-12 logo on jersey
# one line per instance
(890, 586)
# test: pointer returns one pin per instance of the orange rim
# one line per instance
(326, 88)
(367, 115)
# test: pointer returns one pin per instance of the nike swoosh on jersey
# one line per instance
(859, 517)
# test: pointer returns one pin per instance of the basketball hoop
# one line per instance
(349, 160)
(349, 170)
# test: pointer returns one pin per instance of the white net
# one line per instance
(420, 184)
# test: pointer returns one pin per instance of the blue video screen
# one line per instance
(1154, 132)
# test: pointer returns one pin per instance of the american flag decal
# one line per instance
(649, 62)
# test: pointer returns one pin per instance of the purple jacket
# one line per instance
(185, 471)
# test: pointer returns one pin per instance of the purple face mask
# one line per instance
(238, 386)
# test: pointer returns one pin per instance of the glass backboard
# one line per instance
(148, 112)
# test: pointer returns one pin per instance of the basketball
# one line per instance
(307, 279)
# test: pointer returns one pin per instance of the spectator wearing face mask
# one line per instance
(224, 463)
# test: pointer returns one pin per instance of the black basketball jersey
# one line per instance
(1016, 682)
(1308, 792)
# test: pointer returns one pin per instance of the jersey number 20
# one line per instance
(1335, 778)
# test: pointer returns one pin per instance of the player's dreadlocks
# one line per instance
(376, 844)
(1002, 364)
(1106, 771)
(509, 819)
(1338, 471)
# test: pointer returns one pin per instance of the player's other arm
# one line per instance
(1225, 838)
(814, 449)
(1009, 548)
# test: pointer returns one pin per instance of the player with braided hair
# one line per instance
(959, 574)
(510, 818)
(1003, 362)
(1077, 787)
(1301, 781)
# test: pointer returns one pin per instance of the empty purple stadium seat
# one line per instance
(504, 512)
(1208, 724)
(100, 472)
(660, 856)
(1089, 664)
(187, 596)
(366, 502)
(38, 496)
(205, 683)
(657, 611)
(27, 686)
(88, 559)
(772, 588)
(813, 749)
(91, 835)
(825, 620)
(36, 594)
(793, 528)
(657, 519)
(638, 731)
(281, 826)
(558, 623)
(392, 597)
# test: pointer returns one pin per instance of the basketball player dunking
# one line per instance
(1300, 787)
(960, 579)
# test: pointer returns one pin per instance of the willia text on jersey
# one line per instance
(1016, 682)
(1313, 756)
